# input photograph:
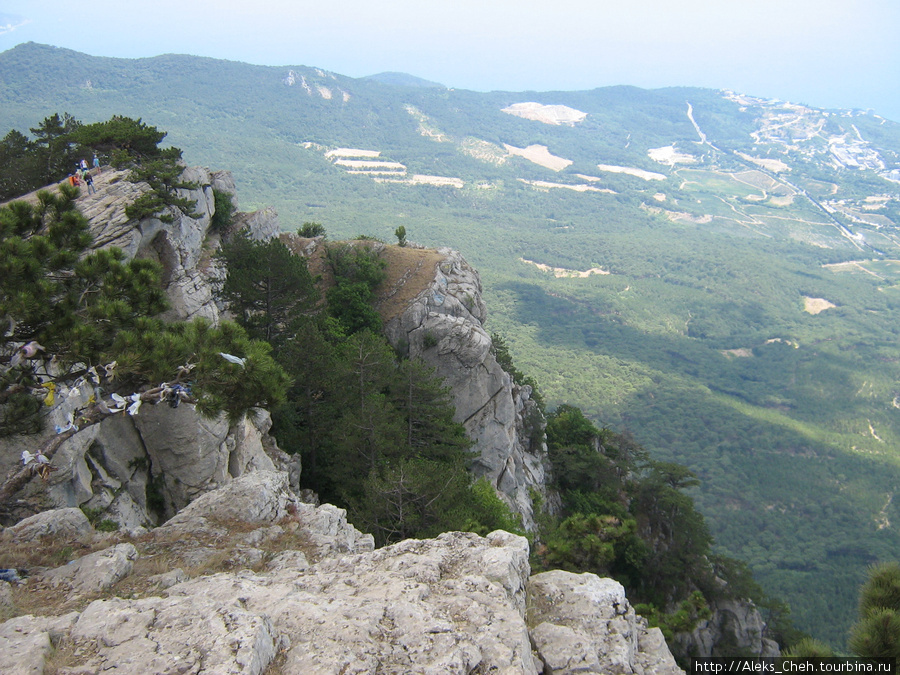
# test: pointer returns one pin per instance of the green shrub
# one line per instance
(310, 230)
(224, 213)
(490, 512)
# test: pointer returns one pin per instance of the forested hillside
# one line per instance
(714, 273)
(375, 427)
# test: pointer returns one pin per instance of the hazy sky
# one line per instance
(825, 53)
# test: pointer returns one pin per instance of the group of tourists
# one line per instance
(83, 175)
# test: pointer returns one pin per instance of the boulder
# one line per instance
(94, 572)
(581, 623)
(735, 627)
(63, 524)
(259, 498)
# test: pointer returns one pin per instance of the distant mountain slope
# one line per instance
(717, 273)
(403, 80)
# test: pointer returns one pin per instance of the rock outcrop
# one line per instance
(735, 627)
(294, 587)
(139, 470)
(581, 623)
(182, 247)
(244, 575)
(444, 326)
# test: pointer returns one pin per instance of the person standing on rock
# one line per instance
(97, 163)
(90, 182)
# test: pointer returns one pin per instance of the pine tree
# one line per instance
(267, 287)
(877, 632)
(413, 497)
(423, 400)
(19, 170)
(55, 148)
(370, 431)
(121, 139)
(56, 293)
(304, 423)
(357, 272)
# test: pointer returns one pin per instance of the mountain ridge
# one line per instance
(403, 80)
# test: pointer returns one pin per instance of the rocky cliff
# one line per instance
(139, 470)
(247, 579)
(444, 326)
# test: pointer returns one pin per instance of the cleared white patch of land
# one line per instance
(420, 179)
(640, 173)
(580, 187)
(548, 114)
(370, 164)
(773, 165)
(670, 156)
(562, 272)
(816, 305)
(539, 154)
(352, 152)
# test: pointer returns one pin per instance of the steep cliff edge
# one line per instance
(140, 470)
(249, 580)
(444, 326)
(140, 476)
(433, 310)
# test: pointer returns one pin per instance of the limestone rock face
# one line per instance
(141, 469)
(68, 523)
(178, 246)
(327, 603)
(184, 247)
(735, 627)
(444, 326)
(581, 623)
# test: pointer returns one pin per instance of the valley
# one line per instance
(746, 320)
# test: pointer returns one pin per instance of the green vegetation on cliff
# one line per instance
(376, 433)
